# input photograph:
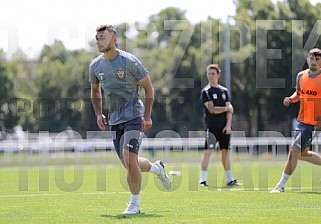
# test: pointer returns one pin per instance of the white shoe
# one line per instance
(131, 209)
(277, 189)
(166, 182)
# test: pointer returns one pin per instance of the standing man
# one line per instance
(120, 74)
(218, 119)
(308, 92)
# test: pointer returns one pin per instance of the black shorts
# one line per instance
(214, 134)
(128, 136)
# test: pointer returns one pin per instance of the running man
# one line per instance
(121, 75)
(308, 92)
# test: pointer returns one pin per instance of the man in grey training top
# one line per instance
(120, 74)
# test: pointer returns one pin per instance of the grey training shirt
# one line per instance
(119, 78)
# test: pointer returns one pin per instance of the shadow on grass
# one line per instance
(310, 192)
(140, 215)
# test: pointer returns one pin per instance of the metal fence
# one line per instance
(251, 145)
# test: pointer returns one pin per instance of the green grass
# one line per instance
(92, 193)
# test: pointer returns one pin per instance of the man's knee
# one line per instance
(207, 152)
(294, 153)
(305, 153)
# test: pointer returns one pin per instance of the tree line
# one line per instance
(265, 42)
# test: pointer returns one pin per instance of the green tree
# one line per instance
(22, 71)
(8, 103)
(63, 95)
(176, 53)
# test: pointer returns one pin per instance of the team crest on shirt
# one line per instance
(224, 96)
(120, 73)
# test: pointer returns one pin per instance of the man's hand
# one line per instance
(318, 125)
(287, 101)
(146, 123)
(102, 122)
(227, 130)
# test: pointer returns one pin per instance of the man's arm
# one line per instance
(146, 84)
(291, 99)
(218, 110)
(228, 127)
(96, 100)
(295, 97)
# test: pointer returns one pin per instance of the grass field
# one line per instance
(95, 191)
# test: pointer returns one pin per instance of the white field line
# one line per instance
(49, 195)
(210, 189)
(287, 189)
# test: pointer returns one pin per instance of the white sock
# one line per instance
(229, 176)
(203, 175)
(284, 179)
(134, 199)
(154, 169)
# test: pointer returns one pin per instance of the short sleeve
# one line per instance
(228, 96)
(204, 96)
(139, 70)
(92, 77)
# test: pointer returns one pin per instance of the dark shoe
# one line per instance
(203, 184)
(233, 183)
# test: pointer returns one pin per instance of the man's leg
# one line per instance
(224, 142)
(302, 140)
(130, 161)
(157, 168)
(227, 166)
(226, 159)
(292, 160)
(129, 144)
(290, 166)
(205, 159)
(144, 164)
(311, 157)
(204, 165)
(230, 181)
(210, 142)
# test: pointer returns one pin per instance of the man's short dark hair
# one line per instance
(108, 27)
(314, 52)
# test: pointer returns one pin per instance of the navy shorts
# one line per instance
(304, 135)
(128, 136)
(214, 134)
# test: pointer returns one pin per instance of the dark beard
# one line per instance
(105, 50)
(313, 69)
